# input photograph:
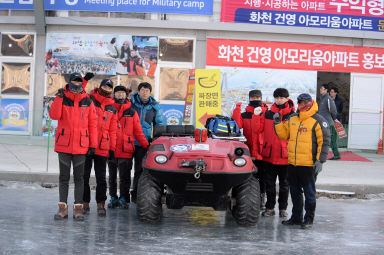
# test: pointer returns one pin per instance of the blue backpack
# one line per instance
(222, 125)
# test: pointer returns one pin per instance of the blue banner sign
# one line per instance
(16, 4)
(198, 7)
(302, 19)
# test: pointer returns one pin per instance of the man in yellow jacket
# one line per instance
(309, 137)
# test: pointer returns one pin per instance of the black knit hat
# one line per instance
(120, 88)
(76, 77)
(255, 93)
(280, 92)
(304, 97)
(106, 82)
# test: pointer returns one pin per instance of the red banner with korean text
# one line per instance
(299, 56)
(367, 8)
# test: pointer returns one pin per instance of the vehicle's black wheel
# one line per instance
(247, 208)
(148, 203)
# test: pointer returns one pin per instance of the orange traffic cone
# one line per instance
(380, 147)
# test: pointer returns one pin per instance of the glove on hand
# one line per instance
(258, 111)
(91, 151)
(277, 118)
(238, 104)
(88, 76)
(60, 92)
(111, 155)
(318, 167)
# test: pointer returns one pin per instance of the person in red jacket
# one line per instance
(252, 123)
(106, 145)
(76, 136)
(275, 154)
(129, 128)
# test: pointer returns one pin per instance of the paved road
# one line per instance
(349, 226)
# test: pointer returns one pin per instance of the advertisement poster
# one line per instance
(332, 14)
(14, 114)
(300, 56)
(101, 54)
(198, 7)
(48, 127)
(189, 97)
(207, 95)
(237, 82)
(172, 114)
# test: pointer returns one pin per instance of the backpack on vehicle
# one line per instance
(222, 125)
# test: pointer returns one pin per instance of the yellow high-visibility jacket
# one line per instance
(308, 135)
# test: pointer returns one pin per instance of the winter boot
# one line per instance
(86, 208)
(309, 216)
(100, 209)
(123, 203)
(283, 214)
(262, 202)
(268, 212)
(78, 212)
(291, 222)
(63, 211)
(307, 224)
(113, 202)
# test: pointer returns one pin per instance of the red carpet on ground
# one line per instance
(349, 156)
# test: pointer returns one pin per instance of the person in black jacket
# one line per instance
(338, 102)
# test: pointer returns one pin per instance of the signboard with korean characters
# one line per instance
(299, 56)
(363, 15)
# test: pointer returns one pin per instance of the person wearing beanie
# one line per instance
(148, 111)
(274, 152)
(76, 136)
(252, 123)
(327, 109)
(129, 128)
(308, 138)
(106, 144)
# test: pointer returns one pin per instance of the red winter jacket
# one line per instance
(106, 123)
(76, 130)
(252, 126)
(129, 128)
(275, 150)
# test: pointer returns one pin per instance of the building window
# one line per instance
(15, 78)
(17, 45)
(176, 50)
(173, 83)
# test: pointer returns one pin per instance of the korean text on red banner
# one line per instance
(299, 56)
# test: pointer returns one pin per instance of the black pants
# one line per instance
(260, 174)
(271, 173)
(301, 180)
(78, 161)
(138, 155)
(100, 164)
(124, 165)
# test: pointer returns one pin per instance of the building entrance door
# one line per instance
(366, 111)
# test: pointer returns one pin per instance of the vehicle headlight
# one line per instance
(161, 159)
(240, 162)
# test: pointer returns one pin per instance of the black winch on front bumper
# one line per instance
(198, 165)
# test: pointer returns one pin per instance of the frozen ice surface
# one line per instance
(349, 226)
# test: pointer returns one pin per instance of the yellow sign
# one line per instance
(208, 94)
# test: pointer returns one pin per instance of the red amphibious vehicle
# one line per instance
(184, 167)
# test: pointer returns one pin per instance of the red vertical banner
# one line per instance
(189, 97)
